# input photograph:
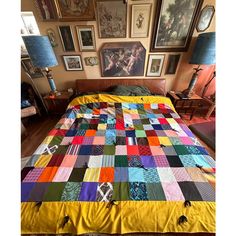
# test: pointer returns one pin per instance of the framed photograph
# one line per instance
(140, 20)
(91, 61)
(174, 24)
(47, 9)
(66, 38)
(73, 62)
(155, 64)
(172, 64)
(30, 69)
(205, 18)
(52, 37)
(111, 18)
(75, 10)
(122, 59)
(86, 37)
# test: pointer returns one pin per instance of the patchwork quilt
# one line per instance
(119, 164)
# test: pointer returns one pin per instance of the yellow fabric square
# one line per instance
(43, 161)
(92, 175)
(102, 126)
(78, 115)
(48, 139)
(165, 141)
(171, 121)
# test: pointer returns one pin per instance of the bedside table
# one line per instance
(189, 104)
(58, 104)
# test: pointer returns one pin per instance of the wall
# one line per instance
(66, 79)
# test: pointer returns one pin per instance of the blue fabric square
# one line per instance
(26, 190)
(71, 133)
(130, 133)
(157, 127)
(121, 174)
(136, 174)
(85, 150)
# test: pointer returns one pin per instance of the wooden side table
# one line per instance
(59, 103)
(189, 104)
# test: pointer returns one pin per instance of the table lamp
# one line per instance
(42, 55)
(203, 54)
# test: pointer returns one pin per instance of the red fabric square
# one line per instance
(56, 160)
(120, 125)
(52, 132)
(150, 133)
(132, 150)
(163, 121)
(78, 140)
(144, 151)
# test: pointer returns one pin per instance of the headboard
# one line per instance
(156, 86)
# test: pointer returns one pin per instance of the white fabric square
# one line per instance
(95, 162)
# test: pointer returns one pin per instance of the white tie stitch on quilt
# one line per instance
(104, 196)
(50, 150)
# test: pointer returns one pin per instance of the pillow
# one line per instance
(133, 90)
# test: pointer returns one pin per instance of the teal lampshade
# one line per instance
(40, 51)
(204, 50)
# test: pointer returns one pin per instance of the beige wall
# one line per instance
(66, 79)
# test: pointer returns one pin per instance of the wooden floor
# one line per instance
(38, 128)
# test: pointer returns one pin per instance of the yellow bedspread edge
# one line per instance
(117, 98)
(124, 217)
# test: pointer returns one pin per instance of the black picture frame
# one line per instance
(173, 28)
(67, 39)
(172, 64)
(28, 67)
(205, 18)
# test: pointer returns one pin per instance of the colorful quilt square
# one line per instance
(169, 150)
(82, 161)
(88, 140)
(175, 141)
(63, 174)
(134, 161)
(172, 191)
(110, 140)
(88, 191)
(71, 133)
(186, 140)
(104, 192)
(121, 191)
(144, 150)
(99, 140)
(161, 161)
(132, 150)
(56, 140)
(109, 150)
(153, 141)
(77, 175)
(60, 150)
(56, 160)
(190, 191)
(106, 174)
(138, 191)
(174, 161)
(108, 161)
(121, 161)
(92, 175)
(160, 133)
(166, 175)
(196, 174)
(102, 126)
(120, 133)
(165, 141)
(26, 189)
(71, 191)
(172, 133)
(85, 150)
(187, 160)
(48, 139)
(120, 140)
(151, 175)
(206, 191)
(33, 175)
(142, 141)
(148, 161)
(48, 174)
(67, 140)
(95, 161)
(38, 192)
(181, 150)
(97, 150)
(131, 141)
(156, 151)
(54, 192)
(140, 133)
(73, 150)
(200, 160)
(43, 161)
(155, 192)
(181, 174)
(80, 132)
(69, 161)
(25, 171)
(130, 133)
(147, 127)
(136, 174)
(121, 174)
(151, 133)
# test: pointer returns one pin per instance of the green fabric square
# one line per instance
(121, 191)
(71, 191)
(138, 127)
(109, 150)
(61, 149)
(121, 161)
(77, 175)
(155, 191)
(54, 192)
(140, 133)
(141, 111)
(56, 140)
(145, 121)
(181, 149)
(84, 126)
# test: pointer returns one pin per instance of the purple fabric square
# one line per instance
(25, 191)
(161, 133)
(161, 161)
(186, 130)
(88, 191)
(37, 192)
(81, 161)
(121, 174)
(148, 161)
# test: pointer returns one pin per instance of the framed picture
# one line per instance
(174, 24)
(155, 64)
(172, 64)
(71, 10)
(66, 38)
(52, 37)
(73, 62)
(30, 69)
(86, 37)
(47, 9)
(122, 59)
(111, 18)
(140, 20)
(205, 18)
(91, 61)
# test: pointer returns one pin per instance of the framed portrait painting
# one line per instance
(73, 62)
(205, 18)
(140, 20)
(111, 18)
(47, 9)
(155, 64)
(174, 24)
(79, 10)
(172, 64)
(122, 59)
(86, 37)
(66, 38)
(30, 69)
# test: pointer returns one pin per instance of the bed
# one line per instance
(116, 165)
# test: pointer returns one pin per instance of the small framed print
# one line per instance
(86, 37)
(172, 64)
(66, 38)
(91, 61)
(155, 64)
(73, 62)
(47, 9)
(140, 20)
(205, 18)
(34, 72)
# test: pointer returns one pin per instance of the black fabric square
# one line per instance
(190, 191)
(142, 141)
(120, 140)
(77, 175)
(157, 127)
(167, 115)
(93, 126)
(130, 133)
(174, 161)
(118, 105)
(25, 171)
(97, 150)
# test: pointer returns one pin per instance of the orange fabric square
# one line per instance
(96, 111)
(153, 141)
(132, 150)
(146, 106)
(69, 161)
(106, 174)
(90, 132)
(156, 151)
(48, 174)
